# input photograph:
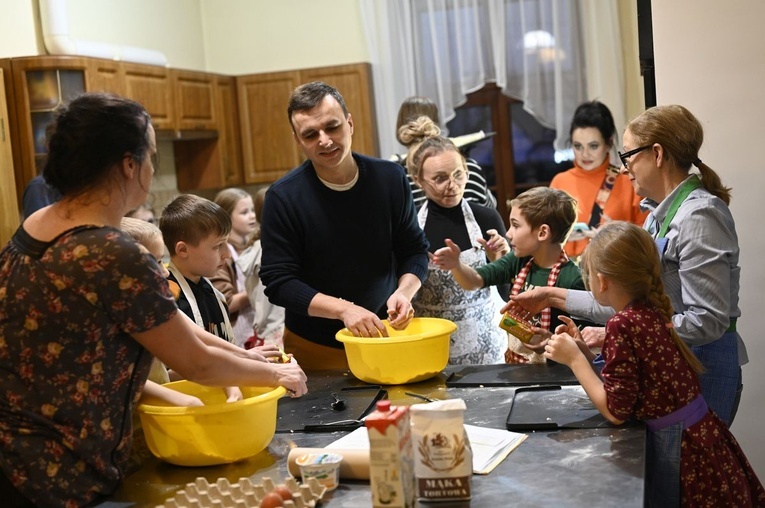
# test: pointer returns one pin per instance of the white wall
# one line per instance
(170, 26)
(251, 36)
(709, 59)
(17, 29)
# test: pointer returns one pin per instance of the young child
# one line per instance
(540, 221)
(195, 231)
(268, 327)
(150, 238)
(650, 374)
(229, 280)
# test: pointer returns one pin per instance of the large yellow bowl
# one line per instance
(417, 353)
(216, 433)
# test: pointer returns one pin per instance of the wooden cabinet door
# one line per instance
(9, 210)
(194, 100)
(40, 85)
(354, 82)
(106, 76)
(229, 139)
(151, 86)
(213, 163)
(268, 148)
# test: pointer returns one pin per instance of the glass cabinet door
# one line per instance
(47, 90)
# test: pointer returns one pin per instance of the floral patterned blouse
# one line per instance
(645, 377)
(70, 372)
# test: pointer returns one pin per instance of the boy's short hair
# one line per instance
(141, 231)
(554, 207)
(191, 219)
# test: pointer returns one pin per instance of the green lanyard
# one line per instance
(685, 189)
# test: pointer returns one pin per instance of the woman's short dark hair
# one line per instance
(595, 114)
(89, 136)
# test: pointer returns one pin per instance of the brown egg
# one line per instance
(285, 492)
(271, 500)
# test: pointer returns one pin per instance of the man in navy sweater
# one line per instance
(341, 242)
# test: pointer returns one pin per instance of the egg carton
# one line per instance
(245, 494)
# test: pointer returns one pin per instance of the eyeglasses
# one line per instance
(626, 155)
(458, 177)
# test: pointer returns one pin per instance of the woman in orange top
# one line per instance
(603, 194)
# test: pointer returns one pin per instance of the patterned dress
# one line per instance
(645, 378)
(70, 372)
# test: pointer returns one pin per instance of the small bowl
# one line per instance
(219, 432)
(417, 353)
(323, 467)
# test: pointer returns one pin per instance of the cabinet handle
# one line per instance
(2, 130)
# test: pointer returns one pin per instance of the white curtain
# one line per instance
(446, 49)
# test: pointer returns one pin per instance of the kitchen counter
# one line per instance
(572, 467)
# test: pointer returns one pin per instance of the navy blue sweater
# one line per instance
(352, 244)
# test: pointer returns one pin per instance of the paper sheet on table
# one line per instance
(490, 446)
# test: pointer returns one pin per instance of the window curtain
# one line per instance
(445, 49)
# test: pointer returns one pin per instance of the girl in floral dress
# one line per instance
(650, 374)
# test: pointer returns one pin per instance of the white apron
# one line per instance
(189, 294)
(478, 339)
(243, 326)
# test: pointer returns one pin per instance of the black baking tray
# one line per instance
(549, 373)
(313, 412)
(553, 407)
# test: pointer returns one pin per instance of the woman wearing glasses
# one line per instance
(439, 169)
(603, 194)
(696, 238)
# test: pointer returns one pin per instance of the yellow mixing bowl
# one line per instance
(417, 353)
(216, 433)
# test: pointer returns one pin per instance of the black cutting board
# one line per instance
(512, 375)
(553, 407)
(313, 411)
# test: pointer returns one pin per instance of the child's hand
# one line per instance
(446, 258)
(539, 340)
(269, 353)
(562, 348)
(189, 401)
(568, 327)
(233, 393)
(496, 246)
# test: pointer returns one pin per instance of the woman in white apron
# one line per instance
(439, 169)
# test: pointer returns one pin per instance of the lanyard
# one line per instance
(685, 189)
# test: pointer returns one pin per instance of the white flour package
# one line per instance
(443, 460)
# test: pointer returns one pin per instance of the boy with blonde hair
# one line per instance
(540, 222)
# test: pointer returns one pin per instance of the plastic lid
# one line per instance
(383, 405)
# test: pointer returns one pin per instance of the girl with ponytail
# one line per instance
(649, 374)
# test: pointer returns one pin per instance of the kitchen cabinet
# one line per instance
(226, 130)
(151, 86)
(213, 163)
(40, 85)
(9, 212)
(269, 149)
(105, 76)
(194, 100)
